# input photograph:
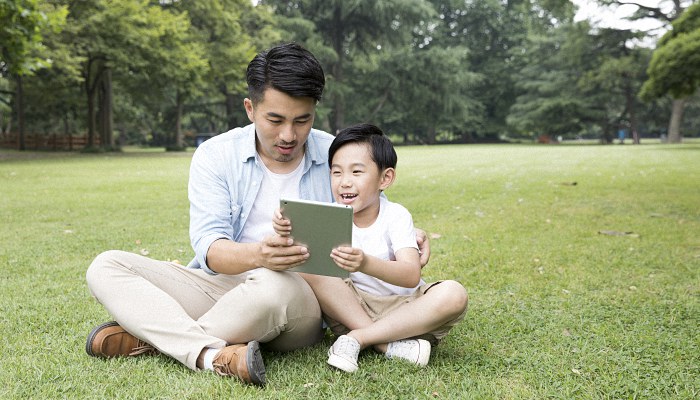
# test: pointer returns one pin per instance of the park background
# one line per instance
(581, 259)
(99, 75)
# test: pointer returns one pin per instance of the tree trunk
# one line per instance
(338, 108)
(178, 121)
(674, 126)
(632, 115)
(231, 105)
(19, 100)
(107, 135)
(91, 92)
(432, 133)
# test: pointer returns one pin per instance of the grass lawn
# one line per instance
(582, 265)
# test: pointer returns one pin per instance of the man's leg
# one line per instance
(277, 309)
(182, 311)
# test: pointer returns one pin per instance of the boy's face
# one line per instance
(357, 181)
(282, 125)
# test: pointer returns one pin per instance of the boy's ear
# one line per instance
(388, 176)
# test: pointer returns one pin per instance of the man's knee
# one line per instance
(97, 272)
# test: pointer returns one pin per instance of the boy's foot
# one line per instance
(243, 361)
(343, 354)
(415, 351)
(111, 340)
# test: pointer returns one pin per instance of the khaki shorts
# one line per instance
(379, 306)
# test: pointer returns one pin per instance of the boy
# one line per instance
(384, 304)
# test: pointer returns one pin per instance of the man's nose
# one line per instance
(287, 133)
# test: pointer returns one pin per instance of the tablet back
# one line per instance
(320, 227)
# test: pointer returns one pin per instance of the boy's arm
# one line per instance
(404, 271)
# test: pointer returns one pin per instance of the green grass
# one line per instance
(557, 309)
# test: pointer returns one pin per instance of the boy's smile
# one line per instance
(357, 181)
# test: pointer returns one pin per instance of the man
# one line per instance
(236, 292)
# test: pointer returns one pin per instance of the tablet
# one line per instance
(320, 227)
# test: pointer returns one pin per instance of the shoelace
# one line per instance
(403, 349)
(141, 348)
(346, 346)
(223, 367)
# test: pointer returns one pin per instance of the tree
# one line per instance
(23, 22)
(495, 33)
(614, 78)
(232, 32)
(120, 40)
(351, 29)
(675, 66)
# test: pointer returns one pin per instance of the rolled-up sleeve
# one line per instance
(211, 207)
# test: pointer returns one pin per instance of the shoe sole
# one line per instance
(341, 363)
(255, 364)
(423, 352)
(93, 333)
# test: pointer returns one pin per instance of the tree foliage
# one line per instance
(428, 71)
(675, 66)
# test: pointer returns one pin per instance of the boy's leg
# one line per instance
(338, 301)
(442, 306)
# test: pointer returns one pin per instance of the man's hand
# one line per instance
(423, 246)
(279, 253)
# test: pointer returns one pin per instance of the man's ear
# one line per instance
(388, 176)
(248, 104)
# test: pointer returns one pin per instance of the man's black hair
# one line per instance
(289, 68)
(382, 151)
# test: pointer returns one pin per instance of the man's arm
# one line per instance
(274, 252)
(423, 246)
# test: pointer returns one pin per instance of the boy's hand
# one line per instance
(348, 258)
(280, 224)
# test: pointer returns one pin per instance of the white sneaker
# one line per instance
(343, 354)
(415, 351)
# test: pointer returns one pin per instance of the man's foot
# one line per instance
(111, 340)
(343, 354)
(415, 351)
(243, 361)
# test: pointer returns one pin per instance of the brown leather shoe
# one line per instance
(243, 361)
(111, 340)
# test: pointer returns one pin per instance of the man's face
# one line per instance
(282, 125)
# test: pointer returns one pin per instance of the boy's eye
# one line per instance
(357, 171)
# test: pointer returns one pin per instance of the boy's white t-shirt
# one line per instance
(393, 230)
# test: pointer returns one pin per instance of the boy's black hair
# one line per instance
(289, 68)
(382, 151)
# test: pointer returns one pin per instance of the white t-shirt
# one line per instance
(272, 188)
(393, 230)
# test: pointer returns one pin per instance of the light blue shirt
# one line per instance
(225, 178)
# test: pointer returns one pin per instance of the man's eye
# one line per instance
(274, 121)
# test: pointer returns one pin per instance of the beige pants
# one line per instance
(180, 311)
(377, 307)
